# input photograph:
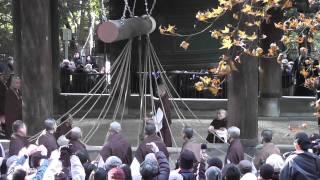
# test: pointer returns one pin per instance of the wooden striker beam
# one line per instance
(117, 30)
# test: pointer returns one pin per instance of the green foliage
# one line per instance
(6, 27)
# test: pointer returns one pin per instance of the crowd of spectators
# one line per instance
(59, 153)
(79, 74)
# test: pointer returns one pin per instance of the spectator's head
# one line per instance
(214, 161)
(231, 172)
(213, 173)
(34, 160)
(76, 55)
(63, 141)
(302, 142)
(75, 133)
(112, 162)
(115, 127)
(187, 133)
(233, 133)
(150, 129)
(100, 174)
(174, 175)
(245, 166)
(15, 83)
(50, 124)
(127, 171)
(303, 51)
(314, 136)
(266, 172)
(83, 156)
(88, 168)
(19, 127)
(149, 168)
(61, 176)
(187, 159)
(65, 62)
(221, 114)
(266, 135)
(19, 174)
(276, 161)
(116, 174)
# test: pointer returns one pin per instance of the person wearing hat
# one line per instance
(301, 164)
(267, 149)
(116, 145)
(47, 138)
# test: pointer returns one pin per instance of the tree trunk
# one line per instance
(36, 62)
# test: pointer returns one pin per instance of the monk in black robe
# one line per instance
(18, 139)
(48, 139)
(217, 127)
(164, 105)
(117, 145)
(150, 136)
(13, 105)
(75, 144)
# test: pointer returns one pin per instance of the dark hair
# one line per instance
(188, 132)
(19, 174)
(150, 129)
(214, 161)
(83, 156)
(49, 124)
(266, 171)
(127, 171)
(266, 135)
(88, 168)
(18, 124)
(100, 174)
(232, 173)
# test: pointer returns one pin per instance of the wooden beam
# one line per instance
(117, 30)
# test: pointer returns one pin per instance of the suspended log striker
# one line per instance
(117, 30)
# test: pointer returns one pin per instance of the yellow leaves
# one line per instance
(246, 9)
(216, 34)
(235, 16)
(287, 4)
(242, 34)
(204, 16)
(226, 43)
(169, 30)
(252, 37)
(258, 51)
(226, 30)
(273, 50)
(304, 73)
(255, 23)
(279, 25)
(184, 45)
(199, 86)
(206, 80)
(285, 39)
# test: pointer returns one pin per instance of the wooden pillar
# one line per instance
(243, 99)
(270, 87)
(36, 62)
